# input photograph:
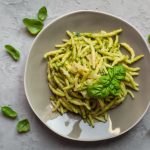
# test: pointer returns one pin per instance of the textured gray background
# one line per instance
(12, 92)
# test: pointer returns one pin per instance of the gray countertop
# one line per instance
(12, 92)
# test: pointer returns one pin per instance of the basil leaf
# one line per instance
(105, 80)
(115, 83)
(119, 72)
(8, 112)
(111, 72)
(108, 84)
(14, 53)
(77, 34)
(23, 126)
(98, 90)
(34, 26)
(42, 14)
(105, 92)
(95, 90)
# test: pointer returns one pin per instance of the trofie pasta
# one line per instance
(91, 61)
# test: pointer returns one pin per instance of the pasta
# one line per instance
(79, 62)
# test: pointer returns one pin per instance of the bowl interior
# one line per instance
(123, 117)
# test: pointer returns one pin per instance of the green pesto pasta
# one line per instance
(80, 61)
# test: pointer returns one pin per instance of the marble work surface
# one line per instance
(12, 92)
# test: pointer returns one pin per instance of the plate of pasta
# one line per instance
(87, 76)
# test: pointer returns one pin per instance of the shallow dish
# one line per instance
(122, 118)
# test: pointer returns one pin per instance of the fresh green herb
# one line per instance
(14, 53)
(148, 38)
(8, 112)
(23, 126)
(34, 26)
(77, 34)
(108, 84)
(42, 14)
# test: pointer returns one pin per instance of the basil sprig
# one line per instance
(34, 26)
(14, 53)
(108, 84)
